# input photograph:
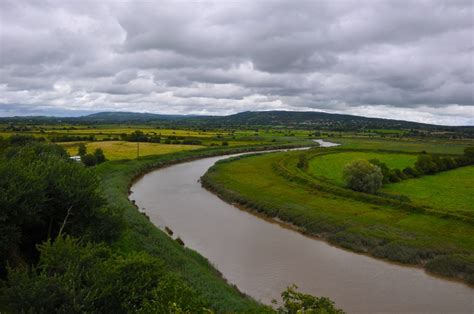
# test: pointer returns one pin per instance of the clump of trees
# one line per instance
(363, 176)
(90, 160)
(44, 194)
(139, 136)
(72, 138)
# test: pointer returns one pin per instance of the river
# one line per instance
(262, 257)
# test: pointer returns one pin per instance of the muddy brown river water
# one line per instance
(262, 258)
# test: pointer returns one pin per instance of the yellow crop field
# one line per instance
(114, 150)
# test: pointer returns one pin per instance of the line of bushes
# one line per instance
(426, 164)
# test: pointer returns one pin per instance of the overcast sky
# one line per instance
(410, 60)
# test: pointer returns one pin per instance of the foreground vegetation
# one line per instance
(308, 190)
(72, 242)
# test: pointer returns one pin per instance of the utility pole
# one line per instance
(138, 145)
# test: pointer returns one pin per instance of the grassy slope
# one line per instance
(380, 230)
(450, 190)
(142, 235)
(331, 166)
(115, 150)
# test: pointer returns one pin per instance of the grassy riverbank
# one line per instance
(381, 226)
(141, 235)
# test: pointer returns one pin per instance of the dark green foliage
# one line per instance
(302, 162)
(296, 302)
(21, 139)
(363, 176)
(396, 175)
(192, 142)
(72, 138)
(89, 160)
(99, 155)
(78, 278)
(425, 164)
(411, 172)
(383, 167)
(82, 149)
(42, 193)
(225, 144)
(469, 153)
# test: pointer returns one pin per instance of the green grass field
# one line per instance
(449, 191)
(115, 150)
(371, 224)
(439, 146)
(331, 166)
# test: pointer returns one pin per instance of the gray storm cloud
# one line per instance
(396, 59)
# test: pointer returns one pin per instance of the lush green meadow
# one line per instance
(412, 230)
(430, 145)
(449, 191)
(331, 166)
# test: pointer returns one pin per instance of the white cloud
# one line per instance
(410, 60)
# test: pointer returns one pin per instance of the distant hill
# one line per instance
(295, 119)
(123, 116)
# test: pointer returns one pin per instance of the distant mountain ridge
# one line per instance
(300, 119)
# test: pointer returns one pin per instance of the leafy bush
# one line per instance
(411, 172)
(90, 278)
(44, 193)
(425, 164)
(297, 302)
(89, 160)
(99, 155)
(363, 176)
(82, 149)
(383, 167)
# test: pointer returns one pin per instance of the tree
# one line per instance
(425, 164)
(43, 193)
(363, 176)
(383, 167)
(469, 153)
(99, 155)
(82, 149)
(89, 160)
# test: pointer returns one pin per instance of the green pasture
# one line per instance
(438, 146)
(448, 191)
(331, 166)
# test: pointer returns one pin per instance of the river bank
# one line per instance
(261, 259)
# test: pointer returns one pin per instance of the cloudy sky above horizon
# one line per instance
(410, 60)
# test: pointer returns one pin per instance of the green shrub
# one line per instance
(425, 164)
(89, 160)
(363, 176)
(383, 167)
(78, 278)
(296, 302)
(99, 155)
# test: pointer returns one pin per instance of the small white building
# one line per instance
(76, 158)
